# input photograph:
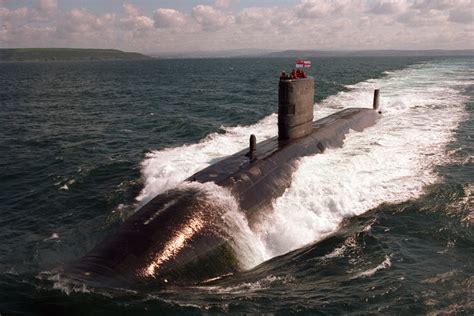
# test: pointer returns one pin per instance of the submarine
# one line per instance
(180, 238)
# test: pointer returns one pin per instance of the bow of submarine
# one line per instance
(178, 236)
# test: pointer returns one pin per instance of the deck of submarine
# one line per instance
(272, 153)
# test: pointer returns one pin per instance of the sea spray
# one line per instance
(247, 245)
(165, 169)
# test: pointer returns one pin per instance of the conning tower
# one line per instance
(295, 107)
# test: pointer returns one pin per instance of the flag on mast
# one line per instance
(303, 63)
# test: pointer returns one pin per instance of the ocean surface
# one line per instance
(383, 225)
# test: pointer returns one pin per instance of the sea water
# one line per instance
(382, 225)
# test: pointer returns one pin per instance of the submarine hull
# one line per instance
(256, 182)
(179, 237)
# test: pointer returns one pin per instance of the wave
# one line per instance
(385, 264)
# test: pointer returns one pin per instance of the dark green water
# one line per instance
(81, 141)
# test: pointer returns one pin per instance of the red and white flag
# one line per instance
(303, 63)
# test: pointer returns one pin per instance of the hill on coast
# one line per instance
(267, 53)
(370, 53)
(66, 54)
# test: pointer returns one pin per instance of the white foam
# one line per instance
(165, 169)
(70, 286)
(248, 287)
(65, 285)
(390, 162)
(54, 236)
(336, 253)
(386, 263)
(249, 248)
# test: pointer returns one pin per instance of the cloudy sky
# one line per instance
(165, 26)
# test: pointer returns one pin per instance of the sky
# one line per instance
(180, 26)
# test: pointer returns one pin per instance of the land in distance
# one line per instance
(66, 54)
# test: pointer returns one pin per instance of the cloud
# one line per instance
(211, 19)
(308, 24)
(440, 4)
(416, 18)
(437, 13)
(19, 13)
(462, 15)
(134, 20)
(255, 17)
(82, 25)
(169, 18)
(222, 3)
(130, 9)
(137, 23)
(388, 7)
(321, 8)
(48, 5)
(44, 10)
(459, 11)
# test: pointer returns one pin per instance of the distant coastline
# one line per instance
(81, 54)
(371, 53)
(256, 53)
(66, 54)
